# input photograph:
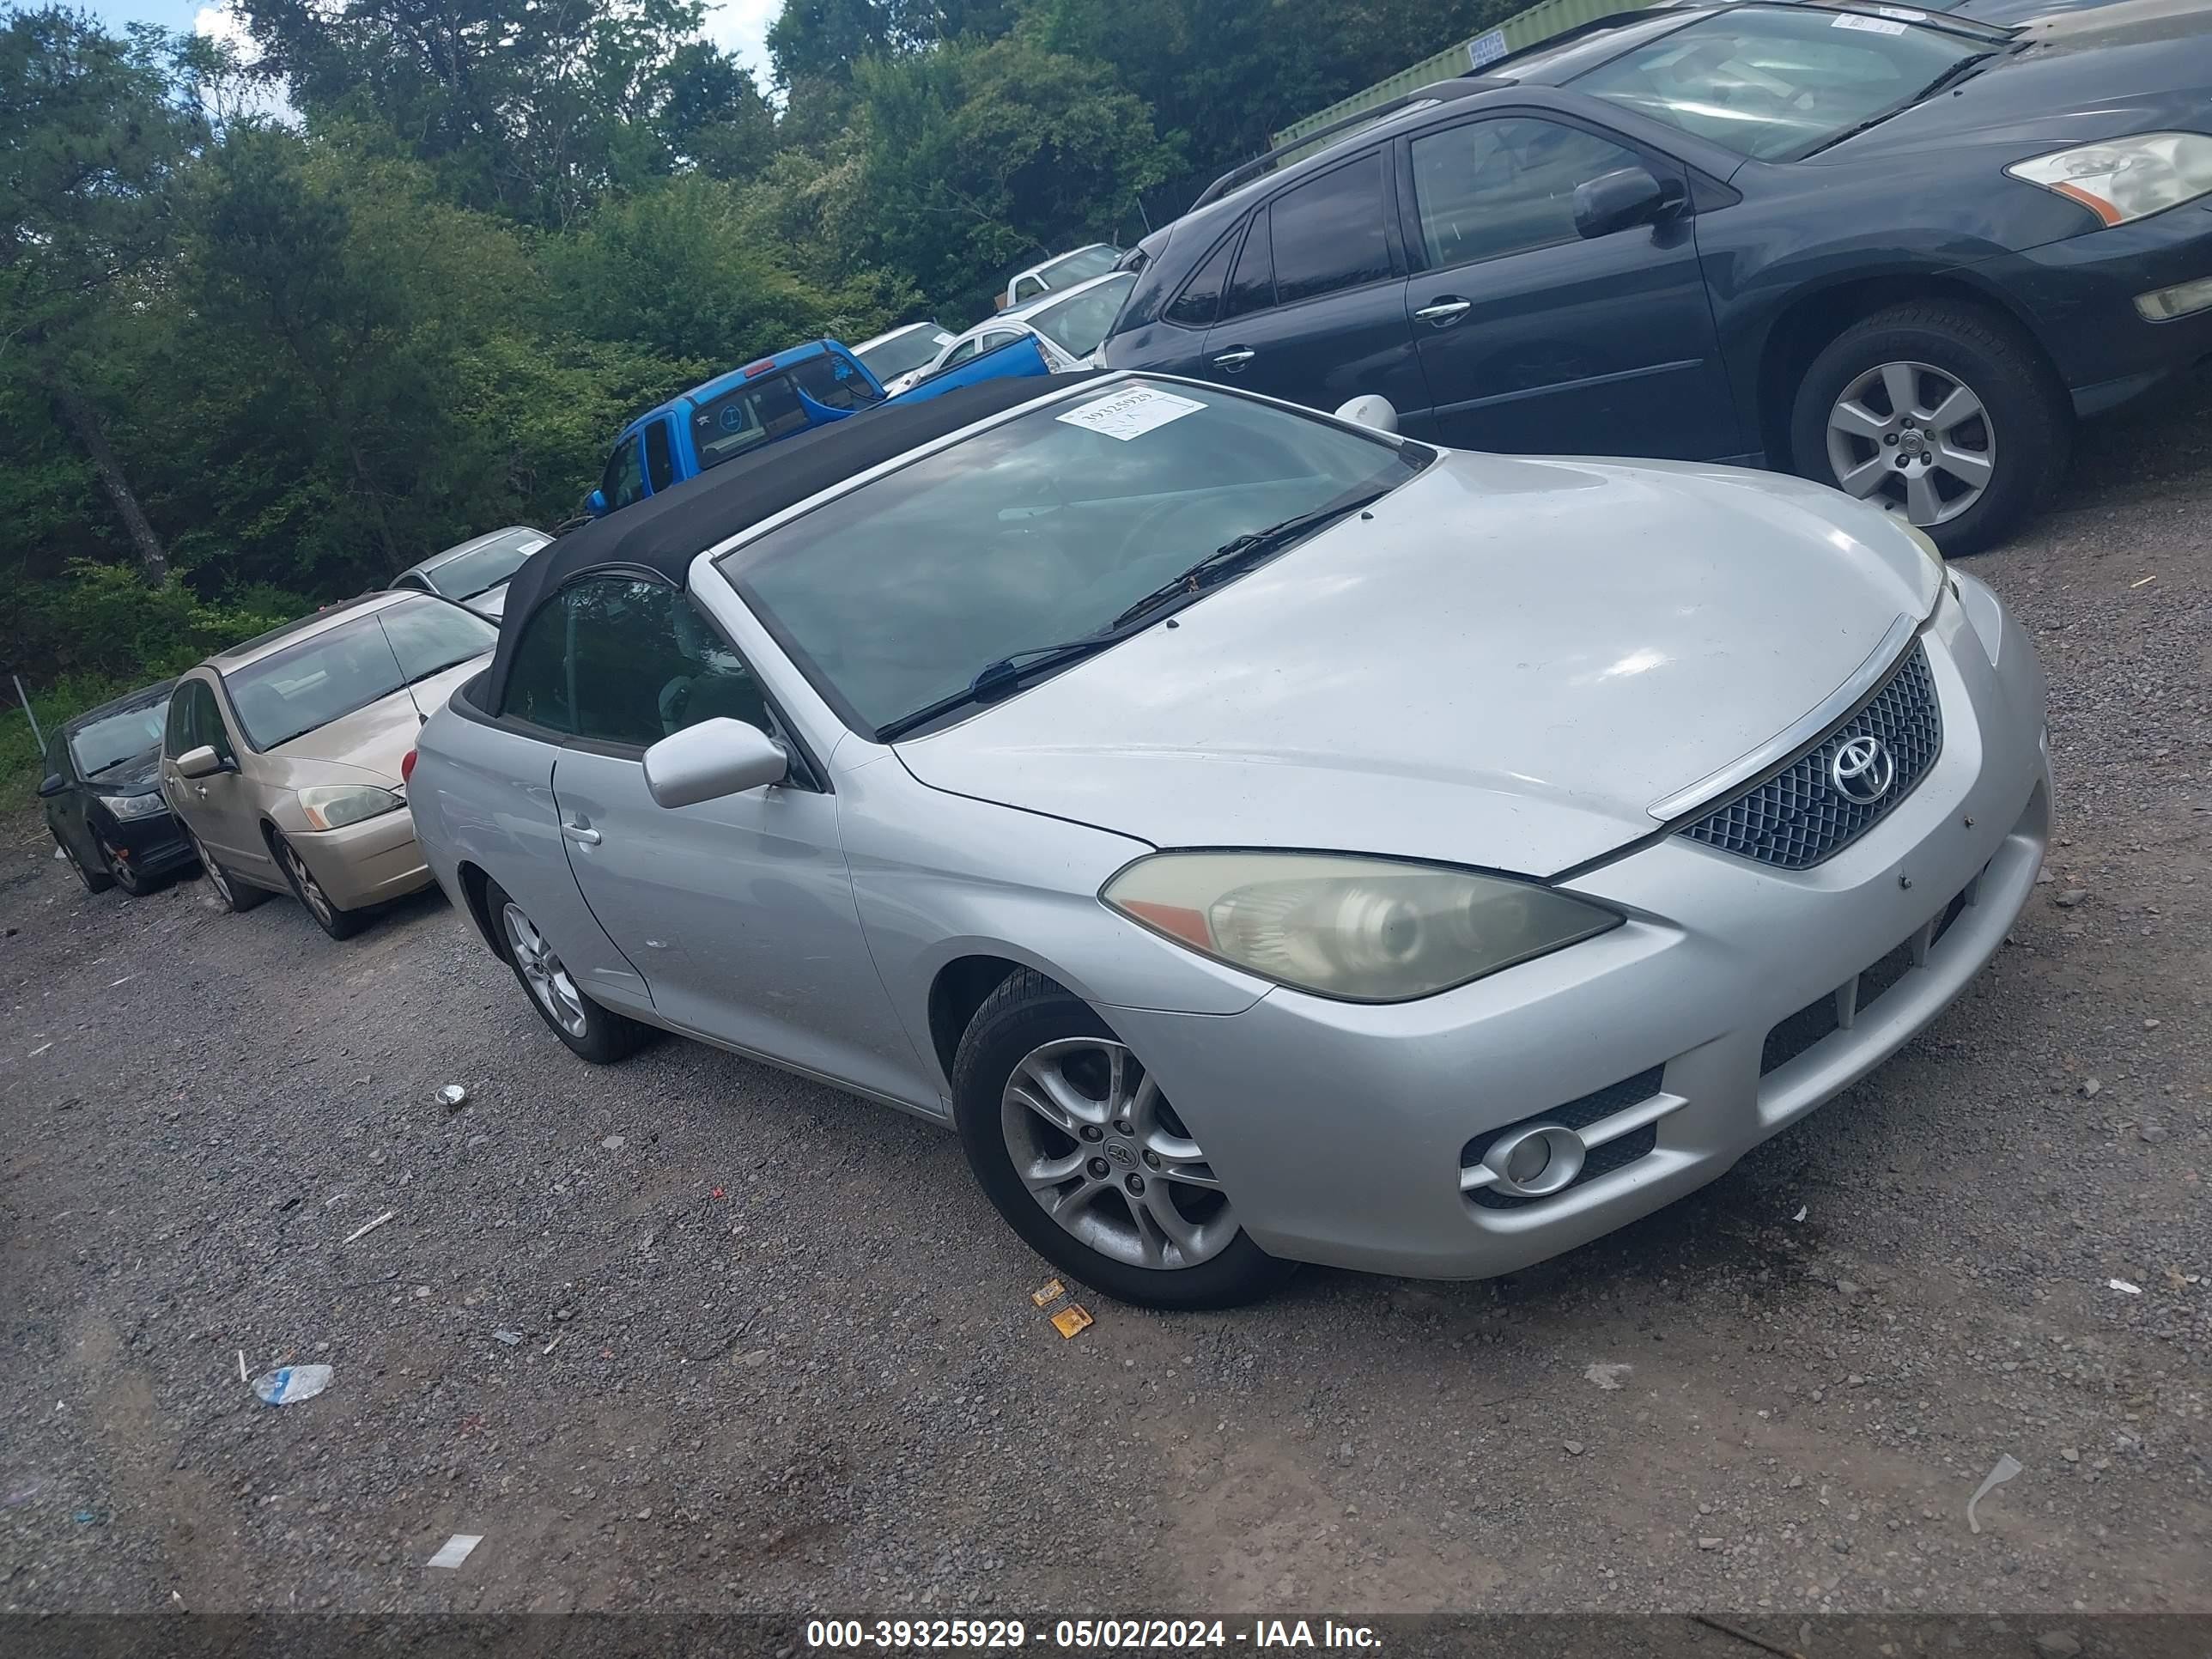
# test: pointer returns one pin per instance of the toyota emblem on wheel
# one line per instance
(1863, 771)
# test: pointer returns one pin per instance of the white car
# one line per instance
(1068, 327)
(897, 358)
(474, 572)
(1058, 275)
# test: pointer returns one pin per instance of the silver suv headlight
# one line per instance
(1359, 929)
(2124, 179)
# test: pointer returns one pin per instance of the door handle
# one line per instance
(582, 832)
(1443, 312)
(203, 790)
(1233, 361)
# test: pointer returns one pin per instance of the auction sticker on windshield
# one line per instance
(1132, 412)
(1866, 24)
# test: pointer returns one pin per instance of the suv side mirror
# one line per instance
(596, 503)
(52, 785)
(1629, 195)
(200, 763)
(716, 757)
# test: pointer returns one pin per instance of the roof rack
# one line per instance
(1439, 92)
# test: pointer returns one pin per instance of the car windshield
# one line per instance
(482, 569)
(888, 359)
(119, 737)
(1776, 84)
(1079, 266)
(343, 669)
(1047, 527)
(1077, 324)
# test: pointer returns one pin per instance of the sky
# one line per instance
(738, 26)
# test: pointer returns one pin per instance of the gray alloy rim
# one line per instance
(542, 971)
(1105, 1155)
(212, 870)
(317, 900)
(118, 870)
(1915, 438)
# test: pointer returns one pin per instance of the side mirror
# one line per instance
(200, 763)
(1615, 201)
(1371, 409)
(714, 758)
(596, 503)
(52, 785)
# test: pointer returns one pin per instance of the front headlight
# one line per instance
(2125, 178)
(1364, 930)
(334, 805)
(134, 807)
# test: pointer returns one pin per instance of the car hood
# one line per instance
(373, 740)
(140, 775)
(1505, 667)
(2073, 78)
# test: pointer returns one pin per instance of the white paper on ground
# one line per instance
(456, 1549)
(1131, 412)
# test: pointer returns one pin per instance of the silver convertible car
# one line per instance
(1264, 839)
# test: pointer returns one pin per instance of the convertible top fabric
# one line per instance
(665, 533)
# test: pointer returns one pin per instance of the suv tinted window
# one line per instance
(745, 419)
(833, 382)
(627, 661)
(1253, 287)
(1490, 188)
(660, 461)
(623, 482)
(1199, 301)
(1328, 232)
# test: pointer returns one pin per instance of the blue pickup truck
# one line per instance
(776, 397)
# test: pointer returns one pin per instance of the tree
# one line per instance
(93, 127)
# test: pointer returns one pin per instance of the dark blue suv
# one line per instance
(1895, 251)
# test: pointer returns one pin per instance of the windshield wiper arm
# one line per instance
(1236, 556)
(1950, 77)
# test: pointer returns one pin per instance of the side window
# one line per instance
(1253, 287)
(1490, 188)
(644, 663)
(833, 383)
(179, 736)
(1328, 232)
(204, 719)
(745, 419)
(1028, 288)
(538, 688)
(624, 479)
(962, 352)
(1200, 303)
(57, 764)
(659, 459)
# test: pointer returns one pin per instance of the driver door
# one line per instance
(739, 912)
(214, 808)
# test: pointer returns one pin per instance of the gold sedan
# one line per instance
(283, 756)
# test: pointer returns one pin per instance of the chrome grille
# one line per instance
(1795, 818)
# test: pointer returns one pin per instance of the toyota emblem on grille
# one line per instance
(1863, 771)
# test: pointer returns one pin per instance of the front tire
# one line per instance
(591, 1032)
(336, 922)
(1941, 413)
(120, 872)
(96, 881)
(1084, 1157)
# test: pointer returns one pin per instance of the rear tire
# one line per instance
(591, 1032)
(336, 922)
(1158, 1201)
(1849, 429)
(234, 896)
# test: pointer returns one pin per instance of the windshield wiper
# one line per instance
(1950, 77)
(1234, 557)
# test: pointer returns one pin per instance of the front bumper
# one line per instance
(152, 846)
(1341, 1130)
(2080, 292)
(366, 863)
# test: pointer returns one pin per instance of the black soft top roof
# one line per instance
(665, 533)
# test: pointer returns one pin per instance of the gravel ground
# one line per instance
(773, 1351)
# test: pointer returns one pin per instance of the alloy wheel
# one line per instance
(541, 970)
(120, 870)
(312, 896)
(213, 871)
(1099, 1146)
(1914, 439)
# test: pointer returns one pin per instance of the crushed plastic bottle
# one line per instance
(288, 1383)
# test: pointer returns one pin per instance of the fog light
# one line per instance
(1534, 1162)
(2163, 305)
(1529, 1160)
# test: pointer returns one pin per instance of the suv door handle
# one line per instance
(582, 832)
(1233, 361)
(1444, 311)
